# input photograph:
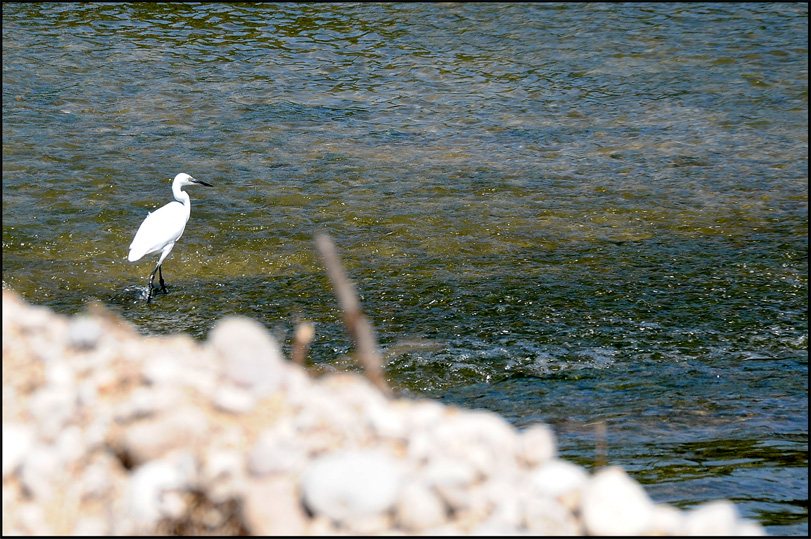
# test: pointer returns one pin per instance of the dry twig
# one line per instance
(361, 331)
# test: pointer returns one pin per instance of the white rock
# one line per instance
(49, 350)
(60, 374)
(547, 516)
(712, 518)
(172, 505)
(665, 520)
(353, 390)
(40, 471)
(275, 453)
(376, 524)
(273, 508)
(363, 404)
(155, 438)
(419, 507)
(469, 506)
(87, 392)
(612, 503)
(445, 472)
(422, 414)
(386, 421)
(178, 363)
(53, 408)
(537, 444)
(95, 394)
(90, 526)
(451, 529)
(321, 526)
(232, 399)
(452, 480)
(70, 444)
(326, 423)
(505, 494)
(493, 527)
(558, 478)
(32, 518)
(251, 356)
(96, 480)
(30, 318)
(482, 439)
(162, 370)
(84, 332)
(147, 401)
(421, 447)
(149, 484)
(349, 484)
(748, 528)
(223, 475)
(18, 438)
(95, 434)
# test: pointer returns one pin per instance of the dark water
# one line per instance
(594, 216)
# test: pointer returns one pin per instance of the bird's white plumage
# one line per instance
(163, 227)
(160, 230)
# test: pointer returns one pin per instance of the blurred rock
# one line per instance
(107, 432)
(560, 480)
(536, 445)
(419, 508)
(717, 518)
(273, 508)
(251, 356)
(614, 504)
(18, 438)
(348, 486)
(84, 333)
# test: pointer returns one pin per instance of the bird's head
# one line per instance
(184, 179)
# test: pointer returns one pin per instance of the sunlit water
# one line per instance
(588, 215)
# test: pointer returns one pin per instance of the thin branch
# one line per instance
(361, 331)
(303, 337)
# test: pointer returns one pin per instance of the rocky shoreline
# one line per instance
(106, 432)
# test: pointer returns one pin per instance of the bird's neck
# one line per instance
(183, 198)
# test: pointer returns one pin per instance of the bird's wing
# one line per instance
(160, 228)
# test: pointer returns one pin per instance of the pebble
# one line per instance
(234, 400)
(420, 508)
(84, 333)
(223, 476)
(145, 402)
(481, 439)
(272, 508)
(714, 518)
(351, 485)
(40, 470)
(124, 432)
(614, 504)
(150, 484)
(537, 444)
(53, 408)
(276, 454)
(89, 526)
(252, 357)
(18, 438)
(665, 520)
(153, 439)
(561, 480)
(547, 516)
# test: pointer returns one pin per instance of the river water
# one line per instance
(594, 216)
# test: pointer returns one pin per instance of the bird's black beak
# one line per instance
(201, 182)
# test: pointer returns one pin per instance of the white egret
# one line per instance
(163, 227)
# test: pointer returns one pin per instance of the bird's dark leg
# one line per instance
(151, 283)
(163, 286)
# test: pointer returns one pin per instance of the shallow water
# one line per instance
(593, 216)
